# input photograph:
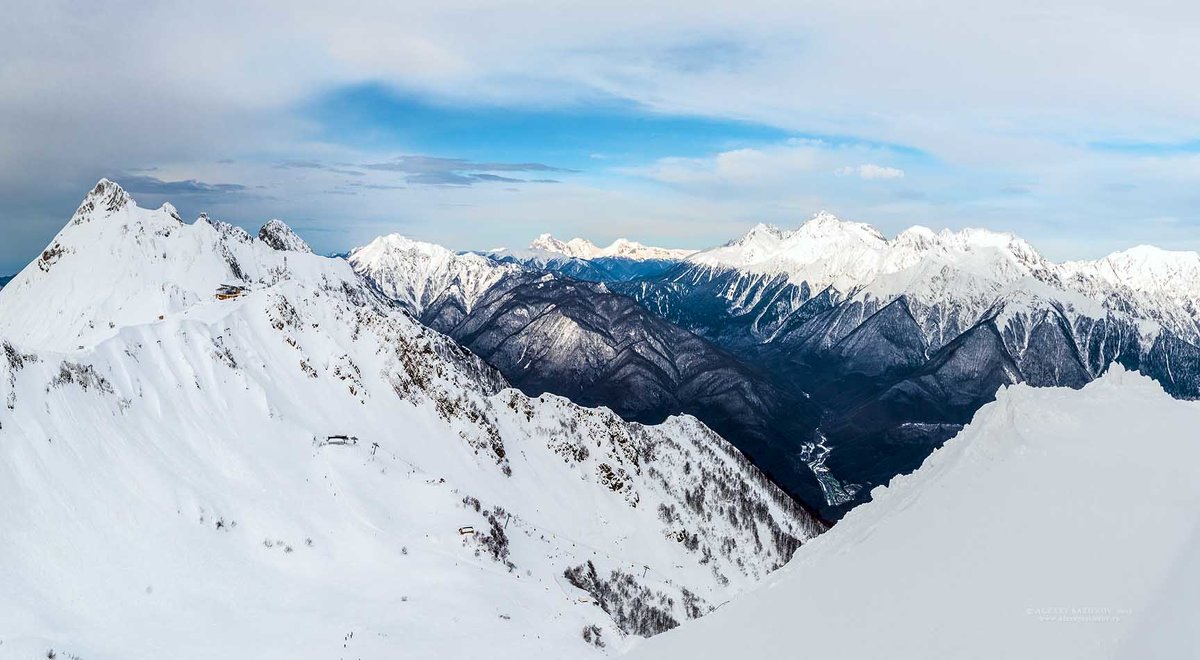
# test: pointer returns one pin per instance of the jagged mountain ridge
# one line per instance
(228, 462)
(423, 276)
(581, 259)
(971, 268)
(551, 333)
(622, 247)
(600, 269)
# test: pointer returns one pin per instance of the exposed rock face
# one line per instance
(281, 237)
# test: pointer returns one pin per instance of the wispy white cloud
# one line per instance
(742, 168)
(440, 171)
(791, 163)
(870, 171)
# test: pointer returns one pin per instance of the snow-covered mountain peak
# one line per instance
(106, 198)
(761, 232)
(581, 248)
(117, 264)
(824, 251)
(623, 247)
(973, 244)
(417, 273)
(1164, 281)
(827, 250)
(549, 243)
(826, 226)
(980, 237)
(391, 243)
(921, 238)
(169, 209)
(281, 237)
(1155, 255)
(917, 235)
(1150, 266)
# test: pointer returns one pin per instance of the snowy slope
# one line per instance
(174, 484)
(1060, 524)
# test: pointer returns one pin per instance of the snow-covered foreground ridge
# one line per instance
(219, 445)
(1059, 524)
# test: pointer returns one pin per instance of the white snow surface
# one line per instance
(1059, 524)
(171, 488)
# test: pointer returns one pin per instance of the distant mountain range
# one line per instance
(839, 358)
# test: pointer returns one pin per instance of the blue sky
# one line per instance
(372, 116)
(480, 125)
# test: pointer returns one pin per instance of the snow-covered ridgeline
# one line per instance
(1061, 523)
(417, 274)
(183, 472)
(621, 248)
(115, 264)
(950, 280)
(580, 259)
(954, 279)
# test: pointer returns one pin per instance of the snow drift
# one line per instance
(1059, 524)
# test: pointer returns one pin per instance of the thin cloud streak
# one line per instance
(438, 171)
(154, 186)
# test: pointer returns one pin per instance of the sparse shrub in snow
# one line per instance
(496, 541)
(633, 607)
(591, 635)
(83, 375)
(666, 513)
